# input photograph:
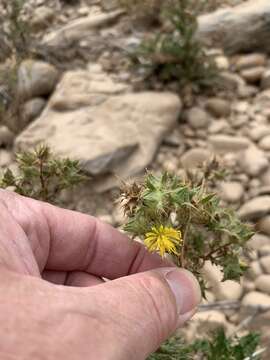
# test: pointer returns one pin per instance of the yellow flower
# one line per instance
(163, 240)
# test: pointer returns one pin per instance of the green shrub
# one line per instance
(17, 41)
(17, 34)
(185, 220)
(42, 175)
(174, 53)
(216, 347)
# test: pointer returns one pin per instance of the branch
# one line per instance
(233, 305)
(221, 248)
(184, 241)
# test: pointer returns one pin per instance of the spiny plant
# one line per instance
(217, 346)
(42, 175)
(171, 216)
(174, 53)
(185, 220)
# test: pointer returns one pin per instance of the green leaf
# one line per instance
(232, 269)
(8, 179)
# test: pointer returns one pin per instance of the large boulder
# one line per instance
(79, 29)
(99, 122)
(245, 27)
(36, 78)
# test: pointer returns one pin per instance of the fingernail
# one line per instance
(185, 288)
(184, 318)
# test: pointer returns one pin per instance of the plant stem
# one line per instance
(182, 260)
(42, 181)
(220, 248)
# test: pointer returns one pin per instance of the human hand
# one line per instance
(54, 303)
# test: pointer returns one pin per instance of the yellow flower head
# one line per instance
(163, 240)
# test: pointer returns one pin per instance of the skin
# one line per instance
(54, 303)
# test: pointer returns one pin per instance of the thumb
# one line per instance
(144, 309)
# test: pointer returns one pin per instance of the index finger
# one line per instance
(72, 241)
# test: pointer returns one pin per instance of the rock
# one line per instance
(87, 89)
(265, 263)
(262, 100)
(264, 144)
(259, 131)
(256, 298)
(255, 208)
(173, 140)
(229, 160)
(231, 81)
(265, 178)
(42, 18)
(266, 113)
(254, 185)
(254, 270)
(250, 61)
(226, 143)
(6, 136)
(262, 283)
(231, 191)
(79, 29)
(209, 297)
(230, 29)
(89, 118)
(170, 166)
(239, 121)
(264, 225)
(84, 11)
(265, 83)
(5, 158)
(258, 241)
(260, 190)
(242, 178)
(222, 62)
(265, 250)
(109, 5)
(241, 107)
(247, 91)
(36, 78)
(32, 109)
(253, 75)
(218, 126)
(212, 273)
(248, 285)
(195, 157)
(209, 320)
(201, 135)
(197, 118)
(253, 161)
(229, 290)
(218, 107)
(259, 118)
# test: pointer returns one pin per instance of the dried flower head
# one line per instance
(130, 194)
